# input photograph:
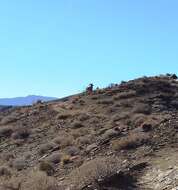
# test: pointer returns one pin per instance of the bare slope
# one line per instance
(120, 137)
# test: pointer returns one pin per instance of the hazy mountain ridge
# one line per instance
(22, 101)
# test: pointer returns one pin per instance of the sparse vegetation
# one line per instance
(63, 141)
(46, 147)
(40, 181)
(105, 102)
(109, 134)
(77, 125)
(124, 95)
(54, 158)
(21, 133)
(92, 141)
(4, 171)
(72, 151)
(142, 108)
(93, 171)
(46, 167)
(19, 164)
(63, 116)
(129, 142)
(6, 131)
(84, 140)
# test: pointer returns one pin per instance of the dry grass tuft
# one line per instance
(6, 131)
(142, 108)
(54, 158)
(4, 171)
(129, 142)
(21, 133)
(124, 95)
(90, 172)
(77, 124)
(40, 181)
(63, 140)
(46, 167)
(46, 147)
(105, 102)
(19, 164)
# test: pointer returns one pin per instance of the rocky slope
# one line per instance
(122, 137)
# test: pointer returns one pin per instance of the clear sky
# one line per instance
(57, 47)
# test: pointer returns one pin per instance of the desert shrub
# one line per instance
(75, 134)
(94, 97)
(129, 142)
(6, 131)
(72, 151)
(122, 115)
(76, 125)
(46, 147)
(147, 126)
(63, 116)
(105, 102)
(79, 132)
(75, 100)
(142, 108)
(84, 140)
(127, 103)
(94, 120)
(54, 158)
(124, 95)
(46, 167)
(63, 141)
(13, 183)
(138, 119)
(8, 119)
(40, 181)
(21, 133)
(27, 155)
(91, 171)
(4, 171)
(19, 164)
(112, 109)
(7, 156)
(81, 102)
(83, 117)
(109, 134)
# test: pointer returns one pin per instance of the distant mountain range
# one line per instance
(22, 101)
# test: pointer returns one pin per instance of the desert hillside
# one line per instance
(122, 137)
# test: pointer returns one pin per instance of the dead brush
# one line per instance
(142, 108)
(125, 95)
(63, 116)
(6, 131)
(105, 102)
(46, 148)
(21, 133)
(40, 181)
(130, 142)
(47, 167)
(92, 171)
(64, 140)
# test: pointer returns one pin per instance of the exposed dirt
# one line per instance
(119, 138)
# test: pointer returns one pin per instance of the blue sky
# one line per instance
(57, 47)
